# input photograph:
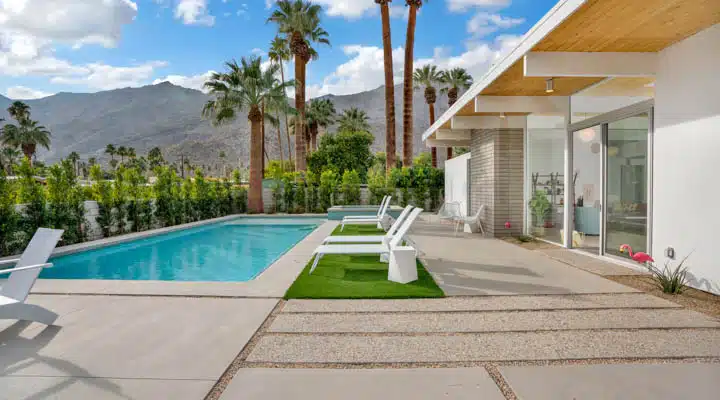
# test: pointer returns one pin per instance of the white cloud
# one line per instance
(364, 71)
(105, 77)
(194, 12)
(25, 93)
(269, 4)
(464, 5)
(67, 21)
(484, 23)
(191, 82)
(348, 8)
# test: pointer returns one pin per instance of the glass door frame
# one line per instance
(603, 120)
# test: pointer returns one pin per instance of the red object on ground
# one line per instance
(640, 257)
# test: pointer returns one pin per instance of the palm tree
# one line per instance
(122, 151)
(428, 76)
(389, 85)
(455, 80)
(92, 161)
(74, 157)
(299, 21)
(19, 111)
(280, 53)
(408, 83)
(131, 152)
(26, 135)
(110, 149)
(245, 86)
(155, 157)
(9, 158)
(353, 120)
(320, 113)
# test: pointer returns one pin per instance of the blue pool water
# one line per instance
(226, 252)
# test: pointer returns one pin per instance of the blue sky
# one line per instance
(49, 46)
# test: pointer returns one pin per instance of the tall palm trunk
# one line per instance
(300, 51)
(287, 124)
(389, 88)
(255, 201)
(28, 150)
(433, 150)
(452, 98)
(279, 138)
(262, 128)
(408, 87)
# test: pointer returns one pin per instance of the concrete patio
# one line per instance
(516, 324)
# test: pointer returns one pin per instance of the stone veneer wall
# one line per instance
(496, 179)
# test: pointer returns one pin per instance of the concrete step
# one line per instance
(557, 345)
(482, 303)
(501, 321)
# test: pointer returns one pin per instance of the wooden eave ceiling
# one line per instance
(610, 26)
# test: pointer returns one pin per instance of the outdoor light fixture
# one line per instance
(549, 85)
(502, 115)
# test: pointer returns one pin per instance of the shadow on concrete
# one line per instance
(460, 278)
(17, 353)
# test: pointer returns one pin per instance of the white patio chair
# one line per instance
(402, 268)
(372, 238)
(449, 211)
(16, 289)
(473, 221)
(379, 220)
(385, 199)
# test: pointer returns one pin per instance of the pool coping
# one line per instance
(273, 282)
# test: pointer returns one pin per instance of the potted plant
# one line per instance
(540, 206)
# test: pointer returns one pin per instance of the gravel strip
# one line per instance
(482, 303)
(666, 343)
(505, 389)
(492, 321)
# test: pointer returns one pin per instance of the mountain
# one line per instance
(168, 116)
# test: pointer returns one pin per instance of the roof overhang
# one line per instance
(593, 47)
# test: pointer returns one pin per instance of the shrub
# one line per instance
(328, 188)
(188, 213)
(351, 187)
(167, 202)
(344, 151)
(525, 239)
(400, 178)
(671, 281)
(436, 181)
(30, 193)
(102, 193)
(377, 184)
(65, 208)
(8, 218)
(420, 180)
(300, 196)
(203, 196)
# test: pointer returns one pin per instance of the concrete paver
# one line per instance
(128, 338)
(482, 303)
(362, 384)
(589, 263)
(555, 345)
(72, 388)
(474, 265)
(493, 321)
(600, 382)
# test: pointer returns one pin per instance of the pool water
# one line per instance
(225, 252)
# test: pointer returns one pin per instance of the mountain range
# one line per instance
(169, 116)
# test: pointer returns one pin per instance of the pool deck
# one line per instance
(271, 283)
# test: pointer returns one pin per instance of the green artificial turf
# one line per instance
(358, 277)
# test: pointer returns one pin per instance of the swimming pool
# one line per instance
(232, 251)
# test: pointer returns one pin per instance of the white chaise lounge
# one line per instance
(373, 238)
(379, 219)
(402, 268)
(16, 289)
(377, 214)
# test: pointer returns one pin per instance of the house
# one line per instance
(600, 128)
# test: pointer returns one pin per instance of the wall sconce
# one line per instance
(549, 85)
(502, 115)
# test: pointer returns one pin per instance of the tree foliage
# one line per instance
(344, 151)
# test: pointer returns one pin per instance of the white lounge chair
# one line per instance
(379, 220)
(402, 268)
(473, 221)
(373, 238)
(16, 289)
(380, 207)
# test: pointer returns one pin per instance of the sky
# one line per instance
(51, 46)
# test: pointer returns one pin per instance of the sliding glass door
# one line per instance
(626, 184)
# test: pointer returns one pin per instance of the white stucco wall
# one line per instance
(456, 182)
(686, 188)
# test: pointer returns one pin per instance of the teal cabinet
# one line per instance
(587, 220)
